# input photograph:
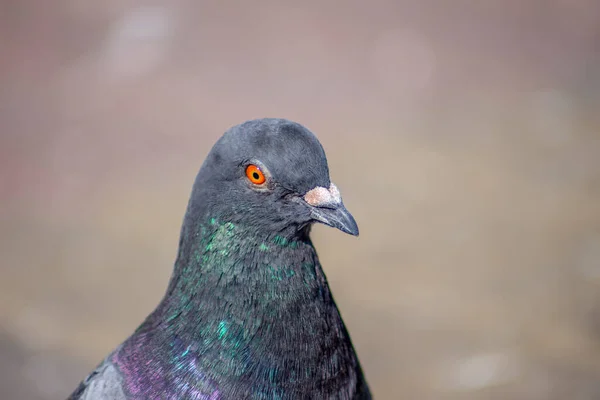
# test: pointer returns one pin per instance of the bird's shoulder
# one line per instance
(105, 382)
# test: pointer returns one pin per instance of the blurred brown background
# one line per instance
(464, 135)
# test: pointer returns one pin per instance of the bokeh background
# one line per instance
(464, 135)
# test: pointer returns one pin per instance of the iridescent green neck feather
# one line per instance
(255, 306)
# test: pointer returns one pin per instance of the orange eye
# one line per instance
(255, 175)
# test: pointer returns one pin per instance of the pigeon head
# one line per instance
(270, 174)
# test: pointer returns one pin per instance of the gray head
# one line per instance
(271, 174)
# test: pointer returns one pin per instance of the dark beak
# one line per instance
(336, 216)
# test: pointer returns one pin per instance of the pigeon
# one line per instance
(248, 312)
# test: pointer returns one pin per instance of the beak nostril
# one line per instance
(323, 197)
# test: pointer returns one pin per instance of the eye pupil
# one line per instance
(256, 176)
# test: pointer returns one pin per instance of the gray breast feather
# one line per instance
(105, 383)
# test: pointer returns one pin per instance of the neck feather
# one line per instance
(248, 305)
(234, 284)
(224, 269)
